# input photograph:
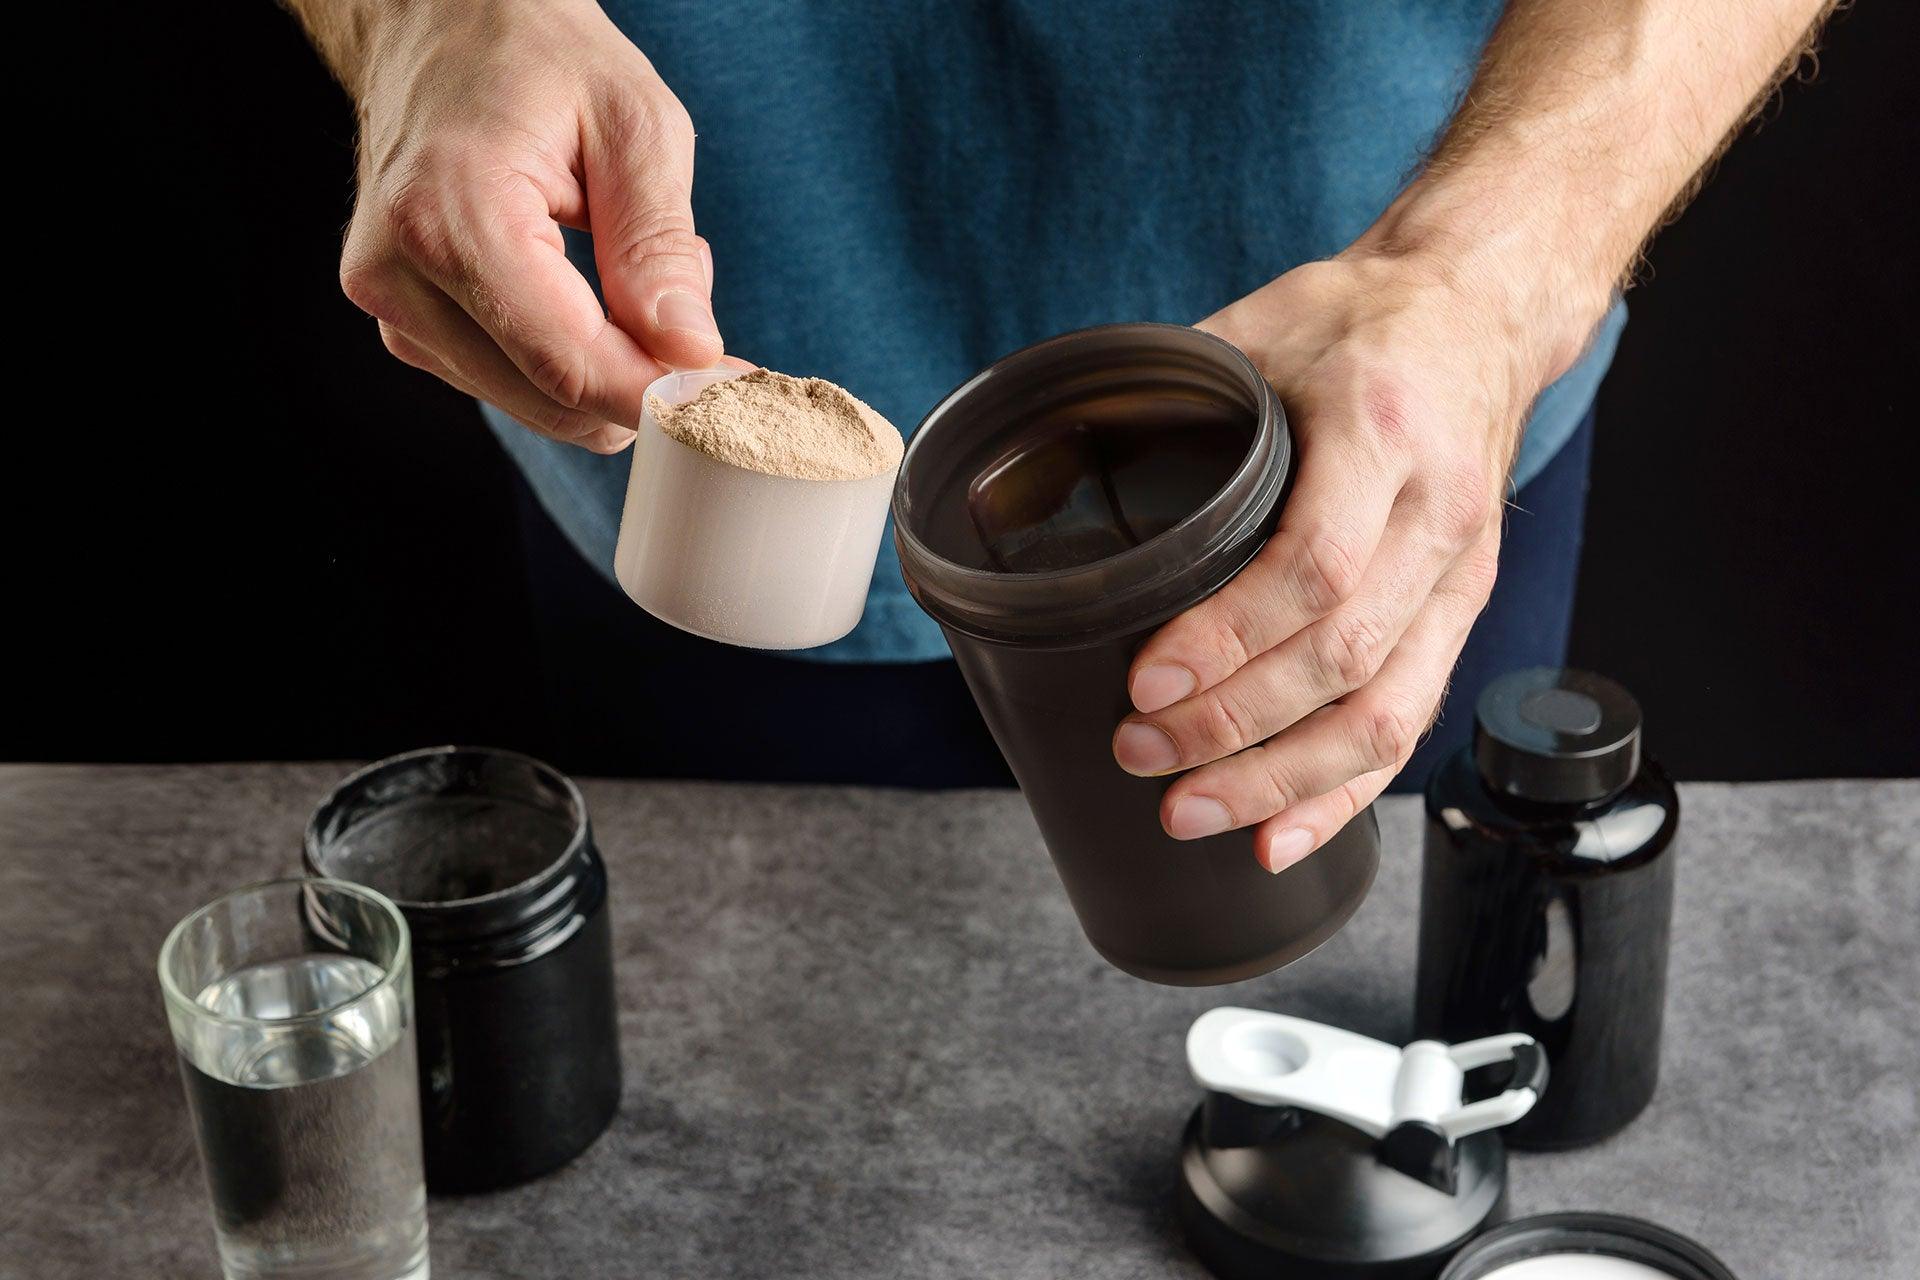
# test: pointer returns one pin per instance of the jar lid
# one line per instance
(1321, 1153)
(1584, 1246)
(1556, 735)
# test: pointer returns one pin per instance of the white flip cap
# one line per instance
(1270, 1059)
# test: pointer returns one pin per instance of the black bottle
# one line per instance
(1547, 896)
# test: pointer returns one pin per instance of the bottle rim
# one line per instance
(1083, 604)
(524, 911)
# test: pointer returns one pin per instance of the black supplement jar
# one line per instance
(1547, 896)
(490, 857)
(1050, 514)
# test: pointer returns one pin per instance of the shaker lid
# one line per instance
(1556, 735)
(1584, 1246)
(1320, 1152)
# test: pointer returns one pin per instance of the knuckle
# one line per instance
(419, 243)
(1327, 570)
(662, 236)
(1478, 570)
(1282, 790)
(1224, 726)
(1221, 637)
(645, 116)
(1350, 648)
(561, 424)
(561, 374)
(416, 220)
(397, 344)
(1386, 407)
(1348, 801)
(369, 285)
(1462, 502)
(675, 125)
(1360, 380)
(1387, 734)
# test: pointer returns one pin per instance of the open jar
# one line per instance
(490, 858)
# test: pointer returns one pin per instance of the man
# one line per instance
(895, 195)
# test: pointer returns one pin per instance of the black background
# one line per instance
(237, 529)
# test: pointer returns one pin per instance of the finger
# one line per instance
(489, 242)
(1314, 562)
(407, 351)
(1330, 658)
(1286, 838)
(656, 274)
(1375, 729)
(609, 439)
(428, 321)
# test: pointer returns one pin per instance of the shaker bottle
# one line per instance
(1546, 896)
(1050, 514)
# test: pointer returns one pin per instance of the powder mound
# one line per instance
(800, 428)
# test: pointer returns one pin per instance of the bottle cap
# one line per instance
(1556, 735)
(1317, 1152)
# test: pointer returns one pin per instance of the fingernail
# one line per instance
(1288, 847)
(611, 440)
(1197, 816)
(686, 311)
(1144, 749)
(1160, 685)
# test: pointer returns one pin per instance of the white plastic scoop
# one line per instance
(739, 556)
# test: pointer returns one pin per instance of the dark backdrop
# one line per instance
(238, 529)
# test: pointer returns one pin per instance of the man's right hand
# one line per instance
(484, 128)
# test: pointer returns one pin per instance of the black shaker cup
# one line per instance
(1050, 514)
(1546, 896)
(490, 857)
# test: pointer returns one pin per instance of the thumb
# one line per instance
(655, 273)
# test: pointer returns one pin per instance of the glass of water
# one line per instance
(291, 1004)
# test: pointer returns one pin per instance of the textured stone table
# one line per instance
(864, 1038)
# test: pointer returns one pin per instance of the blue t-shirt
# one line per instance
(899, 192)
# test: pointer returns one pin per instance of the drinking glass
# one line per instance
(291, 1005)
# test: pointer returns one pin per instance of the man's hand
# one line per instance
(1302, 686)
(484, 128)
(1407, 365)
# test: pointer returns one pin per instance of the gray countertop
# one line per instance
(864, 1038)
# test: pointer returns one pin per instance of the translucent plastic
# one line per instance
(1051, 513)
(737, 556)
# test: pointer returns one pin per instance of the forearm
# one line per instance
(1586, 125)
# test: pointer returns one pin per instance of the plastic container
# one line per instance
(490, 858)
(1319, 1154)
(1584, 1246)
(1547, 896)
(734, 555)
(1050, 514)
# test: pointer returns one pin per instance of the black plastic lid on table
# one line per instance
(1548, 1239)
(1320, 1154)
(1556, 735)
